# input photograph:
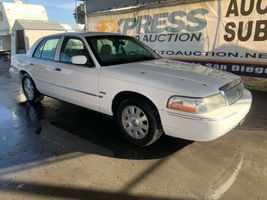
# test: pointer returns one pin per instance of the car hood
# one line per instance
(178, 77)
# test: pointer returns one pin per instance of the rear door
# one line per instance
(42, 65)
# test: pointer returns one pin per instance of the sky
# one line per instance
(57, 10)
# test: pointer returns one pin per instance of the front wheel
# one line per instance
(139, 122)
(30, 91)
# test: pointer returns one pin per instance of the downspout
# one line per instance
(85, 16)
(219, 18)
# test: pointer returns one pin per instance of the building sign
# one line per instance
(100, 5)
(228, 34)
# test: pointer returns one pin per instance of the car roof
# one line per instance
(77, 34)
(84, 34)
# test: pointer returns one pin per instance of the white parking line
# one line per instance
(222, 188)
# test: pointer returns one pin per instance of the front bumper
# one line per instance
(206, 127)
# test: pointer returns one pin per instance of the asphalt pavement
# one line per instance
(56, 150)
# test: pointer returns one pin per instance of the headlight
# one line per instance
(197, 105)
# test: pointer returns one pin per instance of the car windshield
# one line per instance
(113, 50)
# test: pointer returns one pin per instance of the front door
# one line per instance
(77, 84)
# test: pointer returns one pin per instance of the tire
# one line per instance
(30, 91)
(139, 122)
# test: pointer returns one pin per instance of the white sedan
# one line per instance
(119, 76)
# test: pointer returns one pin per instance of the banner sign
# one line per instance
(100, 5)
(226, 34)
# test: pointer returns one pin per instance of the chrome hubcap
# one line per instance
(28, 88)
(135, 122)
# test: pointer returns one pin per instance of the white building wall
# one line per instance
(9, 12)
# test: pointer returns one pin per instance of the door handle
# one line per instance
(57, 69)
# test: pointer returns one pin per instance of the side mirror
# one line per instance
(79, 60)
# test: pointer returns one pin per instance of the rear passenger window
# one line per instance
(38, 50)
(47, 49)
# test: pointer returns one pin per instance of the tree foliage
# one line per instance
(79, 14)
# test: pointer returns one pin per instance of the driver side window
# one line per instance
(132, 48)
(73, 47)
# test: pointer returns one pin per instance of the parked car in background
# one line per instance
(119, 76)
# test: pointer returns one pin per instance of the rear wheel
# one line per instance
(30, 91)
(139, 122)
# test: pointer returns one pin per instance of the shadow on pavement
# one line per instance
(56, 191)
(100, 130)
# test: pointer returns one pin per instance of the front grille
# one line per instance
(233, 91)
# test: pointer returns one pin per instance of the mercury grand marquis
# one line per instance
(147, 95)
